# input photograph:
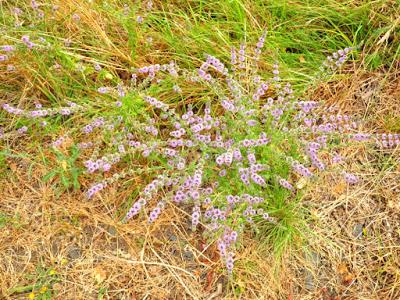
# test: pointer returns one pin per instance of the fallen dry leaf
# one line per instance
(348, 279)
(301, 183)
(346, 276)
(64, 165)
(99, 274)
(342, 269)
(339, 188)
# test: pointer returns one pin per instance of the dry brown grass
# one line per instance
(82, 241)
(89, 250)
(373, 96)
(355, 252)
(356, 246)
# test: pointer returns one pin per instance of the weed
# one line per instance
(66, 172)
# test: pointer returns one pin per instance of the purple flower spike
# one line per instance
(103, 90)
(350, 178)
(7, 48)
(286, 184)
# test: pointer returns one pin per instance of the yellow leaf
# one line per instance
(99, 274)
(13, 167)
(342, 269)
(64, 165)
(364, 231)
(339, 188)
(109, 76)
(348, 278)
(301, 183)
(302, 59)
(52, 272)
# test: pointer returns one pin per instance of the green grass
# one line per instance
(67, 173)
(42, 288)
(300, 34)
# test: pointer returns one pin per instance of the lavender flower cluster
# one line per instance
(218, 158)
(40, 112)
(204, 149)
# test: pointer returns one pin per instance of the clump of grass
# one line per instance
(41, 290)
(67, 172)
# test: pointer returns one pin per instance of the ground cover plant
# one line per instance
(211, 131)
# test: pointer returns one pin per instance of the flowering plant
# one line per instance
(235, 158)
(227, 157)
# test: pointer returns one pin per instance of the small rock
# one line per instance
(358, 230)
(111, 230)
(55, 247)
(188, 256)
(309, 280)
(122, 244)
(174, 251)
(172, 237)
(74, 253)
